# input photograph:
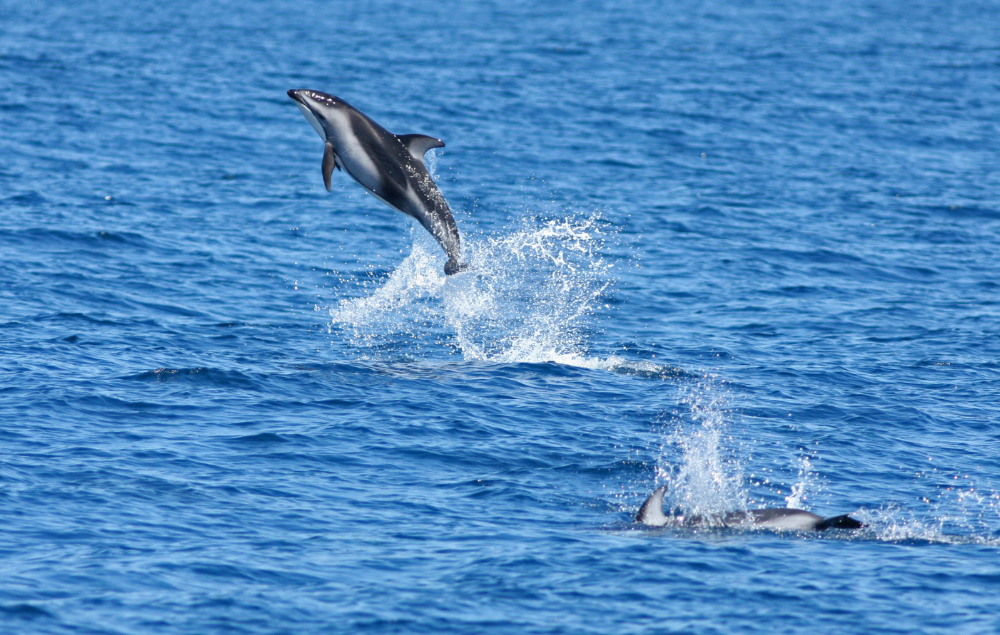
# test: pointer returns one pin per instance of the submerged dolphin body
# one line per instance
(651, 513)
(391, 167)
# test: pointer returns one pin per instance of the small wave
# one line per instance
(206, 376)
(265, 438)
(41, 236)
(28, 199)
(24, 611)
(649, 370)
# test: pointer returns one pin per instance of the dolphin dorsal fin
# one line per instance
(651, 512)
(419, 144)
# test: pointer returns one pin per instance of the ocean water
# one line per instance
(745, 249)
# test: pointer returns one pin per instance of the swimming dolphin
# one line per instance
(389, 166)
(651, 513)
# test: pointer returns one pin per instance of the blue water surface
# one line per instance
(745, 249)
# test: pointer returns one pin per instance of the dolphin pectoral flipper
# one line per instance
(419, 144)
(329, 162)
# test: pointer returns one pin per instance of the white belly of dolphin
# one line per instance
(794, 523)
(311, 118)
(793, 520)
(352, 155)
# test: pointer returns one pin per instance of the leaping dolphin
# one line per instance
(651, 513)
(389, 166)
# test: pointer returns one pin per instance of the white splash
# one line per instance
(801, 489)
(959, 515)
(705, 481)
(530, 296)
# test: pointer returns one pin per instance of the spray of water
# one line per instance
(535, 291)
(530, 296)
(703, 463)
(702, 478)
(957, 515)
(801, 490)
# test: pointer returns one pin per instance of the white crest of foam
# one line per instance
(530, 296)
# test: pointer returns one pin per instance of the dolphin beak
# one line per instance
(307, 110)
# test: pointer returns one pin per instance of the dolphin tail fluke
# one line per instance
(453, 266)
(651, 512)
(839, 522)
